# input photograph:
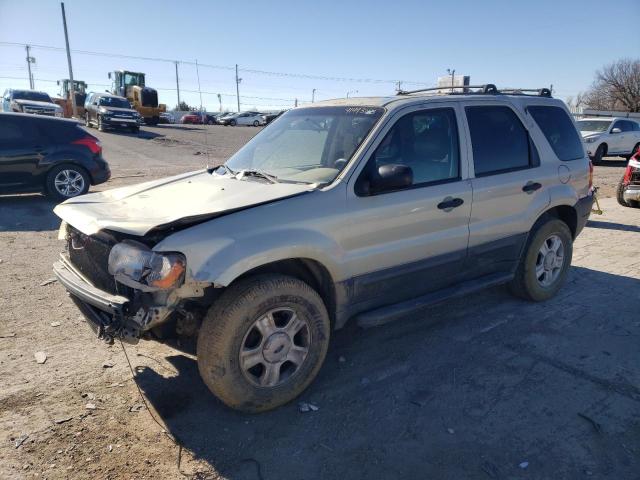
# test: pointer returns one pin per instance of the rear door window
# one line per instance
(559, 130)
(499, 141)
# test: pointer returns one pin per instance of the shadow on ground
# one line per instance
(27, 213)
(467, 389)
(613, 226)
(613, 162)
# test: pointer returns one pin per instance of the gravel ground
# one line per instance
(485, 387)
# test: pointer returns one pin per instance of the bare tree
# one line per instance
(616, 87)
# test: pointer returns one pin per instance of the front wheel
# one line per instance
(232, 123)
(101, 126)
(263, 342)
(67, 181)
(256, 123)
(545, 261)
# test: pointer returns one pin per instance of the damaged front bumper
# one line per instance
(105, 313)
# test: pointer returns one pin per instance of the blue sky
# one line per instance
(510, 43)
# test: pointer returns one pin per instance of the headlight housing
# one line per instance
(137, 266)
(590, 139)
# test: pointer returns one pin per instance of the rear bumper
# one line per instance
(100, 175)
(583, 209)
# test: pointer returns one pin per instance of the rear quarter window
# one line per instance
(559, 130)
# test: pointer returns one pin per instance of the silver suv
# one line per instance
(363, 209)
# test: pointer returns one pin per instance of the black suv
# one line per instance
(51, 155)
(104, 110)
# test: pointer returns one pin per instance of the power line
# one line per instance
(222, 67)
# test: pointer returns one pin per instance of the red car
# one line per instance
(629, 187)
(193, 118)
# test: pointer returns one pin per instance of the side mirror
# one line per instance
(95, 103)
(616, 130)
(391, 177)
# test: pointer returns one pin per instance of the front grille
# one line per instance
(635, 177)
(39, 111)
(90, 255)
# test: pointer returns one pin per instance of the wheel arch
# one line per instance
(566, 213)
(308, 270)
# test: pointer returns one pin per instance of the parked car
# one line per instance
(50, 155)
(30, 101)
(220, 118)
(352, 208)
(270, 117)
(166, 117)
(244, 118)
(194, 118)
(610, 137)
(628, 193)
(107, 111)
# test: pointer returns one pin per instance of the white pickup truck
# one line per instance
(609, 137)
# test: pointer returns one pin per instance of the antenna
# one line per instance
(206, 144)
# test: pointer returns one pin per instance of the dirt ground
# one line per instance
(484, 387)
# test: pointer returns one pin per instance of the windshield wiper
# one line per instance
(256, 173)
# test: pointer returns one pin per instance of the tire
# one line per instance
(256, 123)
(55, 191)
(134, 129)
(230, 326)
(209, 122)
(101, 127)
(527, 283)
(600, 152)
(232, 123)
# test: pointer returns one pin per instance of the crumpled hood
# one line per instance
(137, 209)
(35, 103)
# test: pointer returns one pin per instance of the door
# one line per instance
(510, 187)
(402, 243)
(243, 119)
(20, 152)
(627, 137)
(617, 140)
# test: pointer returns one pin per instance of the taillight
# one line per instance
(590, 174)
(91, 143)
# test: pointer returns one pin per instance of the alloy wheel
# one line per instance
(550, 261)
(275, 347)
(69, 183)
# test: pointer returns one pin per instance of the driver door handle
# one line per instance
(450, 203)
(531, 187)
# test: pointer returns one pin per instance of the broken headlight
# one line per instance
(137, 266)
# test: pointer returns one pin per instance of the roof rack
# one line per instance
(487, 89)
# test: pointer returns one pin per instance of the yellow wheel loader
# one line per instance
(64, 101)
(131, 85)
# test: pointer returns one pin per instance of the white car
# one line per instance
(609, 137)
(243, 118)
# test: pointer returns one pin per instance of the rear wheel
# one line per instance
(263, 342)
(545, 261)
(67, 181)
(256, 123)
(600, 152)
(232, 123)
(134, 129)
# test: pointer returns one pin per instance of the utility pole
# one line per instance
(238, 80)
(30, 60)
(220, 102)
(296, 104)
(350, 92)
(399, 86)
(313, 95)
(72, 87)
(177, 84)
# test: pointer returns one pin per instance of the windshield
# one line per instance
(114, 102)
(134, 79)
(308, 144)
(593, 125)
(30, 95)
